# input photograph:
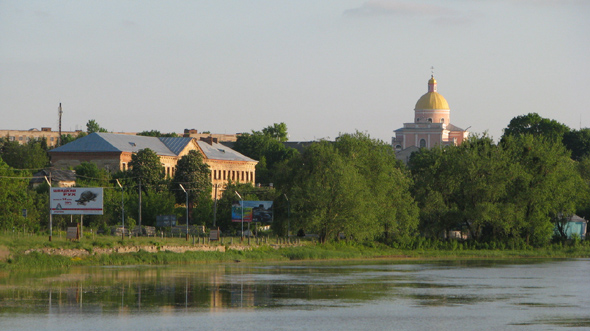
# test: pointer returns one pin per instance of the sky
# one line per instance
(323, 67)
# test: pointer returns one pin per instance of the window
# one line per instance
(442, 120)
(430, 120)
(417, 120)
(422, 143)
(398, 147)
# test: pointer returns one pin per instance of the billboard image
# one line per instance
(254, 211)
(76, 200)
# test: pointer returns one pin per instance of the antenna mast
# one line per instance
(59, 112)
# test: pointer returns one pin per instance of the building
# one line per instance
(24, 136)
(113, 152)
(58, 178)
(431, 127)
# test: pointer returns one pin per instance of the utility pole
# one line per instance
(59, 112)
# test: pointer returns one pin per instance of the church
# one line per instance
(431, 127)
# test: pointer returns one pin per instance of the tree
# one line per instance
(328, 195)
(545, 186)
(14, 197)
(146, 167)
(390, 199)
(156, 133)
(28, 156)
(68, 138)
(88, 174)
(266, 147)
(535, 125)
(92, 126)
(578, 142)
(195, 177)
(277, 131)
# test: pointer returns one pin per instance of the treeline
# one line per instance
(513, 193)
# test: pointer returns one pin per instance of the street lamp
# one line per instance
(186, 193)
(242, 208)
(122, 209)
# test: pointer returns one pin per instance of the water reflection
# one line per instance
(523, 293)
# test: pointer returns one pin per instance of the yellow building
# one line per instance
(113, 152)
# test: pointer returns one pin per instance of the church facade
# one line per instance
(431, 127)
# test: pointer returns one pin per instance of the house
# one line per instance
(113, 152)
(58, 177)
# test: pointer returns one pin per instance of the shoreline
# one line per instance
(57, 258)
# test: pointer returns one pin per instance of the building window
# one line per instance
(442, 120)
(398, 147)
(12, 138)
(430, 120)
(417, 120)
(422, 143)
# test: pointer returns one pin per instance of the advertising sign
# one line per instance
(76, 200)
(254, 211)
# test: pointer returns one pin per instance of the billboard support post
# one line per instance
(50, 214)
(242, 208)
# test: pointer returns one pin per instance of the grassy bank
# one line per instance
(267, 250)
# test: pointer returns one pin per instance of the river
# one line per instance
(352, 295)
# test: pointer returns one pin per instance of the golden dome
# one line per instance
(432, 100)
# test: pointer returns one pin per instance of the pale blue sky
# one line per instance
(324, 67)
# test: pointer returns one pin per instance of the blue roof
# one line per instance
(217, 151)
(112, 142)
(164, 146)
(177, 144)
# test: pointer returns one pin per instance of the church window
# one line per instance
(417, 119)
(422, 143)
(398, 147)
(430, 120)
(442, 120)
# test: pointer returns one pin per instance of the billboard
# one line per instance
(76, 200)
(254, 211)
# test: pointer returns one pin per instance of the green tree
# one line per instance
(390, 199)
(535, 125)
(146, 168)
(194, 175)
(266, 147)
(578, 142)
(14, 197)
(545, 186)
(88, 174)
(28, 156)
(92, 126)
(68, 138)
(277, 131)
(156, 133)
(328, 195)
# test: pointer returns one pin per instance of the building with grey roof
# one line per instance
(114, 151)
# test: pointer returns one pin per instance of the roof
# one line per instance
(163, 146)
(57, 175)
(432, 100)
(216, 151)
(176, 144)
(112, 142)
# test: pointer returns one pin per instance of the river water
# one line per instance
(369, 295)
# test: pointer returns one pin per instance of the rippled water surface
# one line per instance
(376, 295)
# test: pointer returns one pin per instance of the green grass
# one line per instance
(17, 245)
